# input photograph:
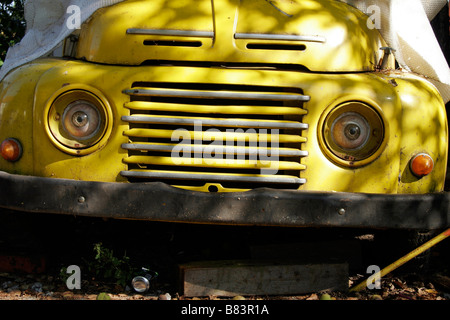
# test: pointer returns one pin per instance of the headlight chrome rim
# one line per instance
(57, 112)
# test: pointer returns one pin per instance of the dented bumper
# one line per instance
(263, 207)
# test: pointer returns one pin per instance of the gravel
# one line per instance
(41, 287)
(63, 239)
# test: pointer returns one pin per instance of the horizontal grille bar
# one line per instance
(214, 109)
(240, 136)
(217, 95)
(230, 122)
(210, 136)
(216, 149)
(215, 163)
(213, 177)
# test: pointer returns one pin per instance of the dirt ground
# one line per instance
(50, 243)
(403, 287)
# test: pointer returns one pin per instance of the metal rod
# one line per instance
(216, 95)
(173, 33)
(217, 149)
(216, 122)
(284, 37)
(427, 245)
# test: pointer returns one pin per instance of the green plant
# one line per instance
(107, 267)
(63, 275)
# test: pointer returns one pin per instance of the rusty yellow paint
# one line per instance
(137, 32)
(424, 129)
(411, 108)
(105, 163)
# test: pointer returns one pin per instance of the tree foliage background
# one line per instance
(12, 25)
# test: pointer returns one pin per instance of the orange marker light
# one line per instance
(11, 149)
(422, 165)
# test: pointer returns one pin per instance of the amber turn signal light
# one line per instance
(11, 149)
(422, 165)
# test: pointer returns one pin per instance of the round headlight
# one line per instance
(353, 133)
(350, 131)
(78, 121)
(81, 120)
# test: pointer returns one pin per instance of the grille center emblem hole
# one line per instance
(213, 188)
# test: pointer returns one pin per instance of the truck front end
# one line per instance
(230, 112)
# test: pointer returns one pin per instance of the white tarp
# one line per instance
(404, 24)
(47, 27)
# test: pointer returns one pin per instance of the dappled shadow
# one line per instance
(222, 31)
(330, 71)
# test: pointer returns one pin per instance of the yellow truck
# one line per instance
(270, 113)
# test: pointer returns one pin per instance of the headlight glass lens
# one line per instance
(81, 120)
(353, 132)
(350, 131)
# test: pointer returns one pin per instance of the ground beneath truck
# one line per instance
(37, 249)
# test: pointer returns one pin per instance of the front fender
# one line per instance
(424, 129)
(17, 112)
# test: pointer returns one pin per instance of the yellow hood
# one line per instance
(315, 35)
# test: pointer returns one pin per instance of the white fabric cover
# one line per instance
(46, 22)
(404, 24)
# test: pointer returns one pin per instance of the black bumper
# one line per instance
(262, 207)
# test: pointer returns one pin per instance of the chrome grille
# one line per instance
(235, 136)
